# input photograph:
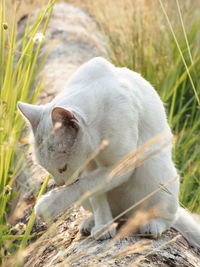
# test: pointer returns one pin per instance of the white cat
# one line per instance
(103, 102)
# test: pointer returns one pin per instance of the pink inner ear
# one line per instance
(61, 115)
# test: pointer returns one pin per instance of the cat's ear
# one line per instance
(31, 112)
(62, 117)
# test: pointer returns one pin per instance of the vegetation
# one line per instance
(159, 39)
(18, 69)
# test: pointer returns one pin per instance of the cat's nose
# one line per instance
(63, 169)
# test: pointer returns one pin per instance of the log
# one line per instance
(62, 245)
(74, 37)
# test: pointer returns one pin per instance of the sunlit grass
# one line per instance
(18, 69)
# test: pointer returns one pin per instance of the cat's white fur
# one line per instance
(103, 102)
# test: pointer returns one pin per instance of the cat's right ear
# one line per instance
(31, 113)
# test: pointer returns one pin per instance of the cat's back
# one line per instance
(93, 86)
(141, 88)
(98, 85)
(100, 79)
(151, 111)
(93, 71)
(101, 76)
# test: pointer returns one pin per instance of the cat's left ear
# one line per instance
(31, 112)
(63, 117)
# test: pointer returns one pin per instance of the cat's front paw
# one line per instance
(102, 232)
(153, 229)
(86, 226)
(46, 207)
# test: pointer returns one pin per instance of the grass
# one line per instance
(19, 66)
(159, 39)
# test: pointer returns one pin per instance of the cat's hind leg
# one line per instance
(156, 186)
(154, 228)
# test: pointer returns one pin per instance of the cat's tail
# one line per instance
(188, 226)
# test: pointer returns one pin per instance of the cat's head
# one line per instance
(58, 139)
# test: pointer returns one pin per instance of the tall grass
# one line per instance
(160, 40)
(18, 69)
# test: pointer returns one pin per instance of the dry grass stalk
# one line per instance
(138, 247)
(87, 194)
(131, 208)
(139, 218)
(18, 212)
(100, 148)
(136, 158)
(142, 257)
